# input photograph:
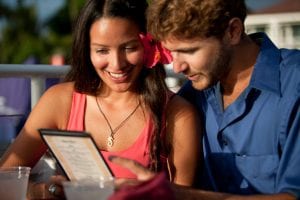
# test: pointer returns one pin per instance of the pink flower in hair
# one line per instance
(154, 52)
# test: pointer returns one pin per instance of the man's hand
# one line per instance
(148, 185)
(142, 173)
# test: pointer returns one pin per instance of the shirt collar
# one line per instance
(266, 74)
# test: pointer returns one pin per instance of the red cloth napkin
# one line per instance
(156, 188)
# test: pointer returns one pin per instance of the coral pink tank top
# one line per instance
(138, 151)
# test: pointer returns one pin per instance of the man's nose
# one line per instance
(178, 64)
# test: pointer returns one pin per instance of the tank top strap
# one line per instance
(76, 118)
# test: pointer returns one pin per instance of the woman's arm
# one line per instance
(50, 112)
(184, 126)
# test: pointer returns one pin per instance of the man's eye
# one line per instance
(189, 51)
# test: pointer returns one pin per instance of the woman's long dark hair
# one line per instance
(151, 82)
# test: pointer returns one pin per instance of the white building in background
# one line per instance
(280, 21)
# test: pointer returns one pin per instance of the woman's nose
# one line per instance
(117, 60)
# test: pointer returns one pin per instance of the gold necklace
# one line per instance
(111, 138)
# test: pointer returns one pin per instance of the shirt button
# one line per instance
(225, 142)
(242, 155)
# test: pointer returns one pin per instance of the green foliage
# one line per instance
(23, 34)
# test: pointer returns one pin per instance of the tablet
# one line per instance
(77, 154)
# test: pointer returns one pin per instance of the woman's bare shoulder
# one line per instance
(178, 103)
(54, 106)
(61, 88)
(182, 112)
(57, 97)
(59, 92)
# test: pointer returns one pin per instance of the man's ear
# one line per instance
(234, 31)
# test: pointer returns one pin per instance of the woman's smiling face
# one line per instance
(116, 52)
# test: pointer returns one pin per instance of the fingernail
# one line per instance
(110, 158)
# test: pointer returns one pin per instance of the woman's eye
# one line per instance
(102, 51)
(130, 49)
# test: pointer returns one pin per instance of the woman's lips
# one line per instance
(117, 75)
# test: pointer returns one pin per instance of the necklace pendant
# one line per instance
(110, 141)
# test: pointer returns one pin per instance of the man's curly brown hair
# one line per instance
(186, 19)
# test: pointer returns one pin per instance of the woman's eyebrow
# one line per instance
(123, 44)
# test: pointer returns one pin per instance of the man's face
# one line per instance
(203, 61)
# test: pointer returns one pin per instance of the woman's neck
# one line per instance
(118, 99)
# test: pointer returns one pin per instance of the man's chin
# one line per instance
(198, 85)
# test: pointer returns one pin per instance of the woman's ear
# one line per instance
(234, 31)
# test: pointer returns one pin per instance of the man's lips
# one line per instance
(192, 76)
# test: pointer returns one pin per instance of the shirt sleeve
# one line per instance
(288, 177)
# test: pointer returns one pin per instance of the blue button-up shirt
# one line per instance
(253, 146)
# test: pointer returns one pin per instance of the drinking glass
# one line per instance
(14, 182)
(89, 189)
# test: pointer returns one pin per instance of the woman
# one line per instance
(116, 92)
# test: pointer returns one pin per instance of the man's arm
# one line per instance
(195, 194)
(187, 193)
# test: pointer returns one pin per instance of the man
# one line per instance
(247, 92)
